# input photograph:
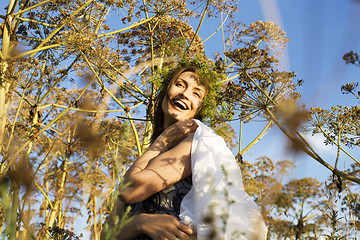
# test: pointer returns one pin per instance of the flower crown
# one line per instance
(205, 70)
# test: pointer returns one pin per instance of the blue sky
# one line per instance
(320, 33)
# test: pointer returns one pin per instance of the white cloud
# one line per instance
(317, 143)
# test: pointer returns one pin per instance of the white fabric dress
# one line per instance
(217, 204)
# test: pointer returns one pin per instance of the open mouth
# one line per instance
(180, 104)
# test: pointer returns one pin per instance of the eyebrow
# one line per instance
(197, 88)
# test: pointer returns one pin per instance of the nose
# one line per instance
(186, 93)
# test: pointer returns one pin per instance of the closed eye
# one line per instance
(197, 94)
(179, 84)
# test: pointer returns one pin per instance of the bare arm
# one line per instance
(166, 162)
(128, 231)
(163, 164)
(167, 140)
(161, 172)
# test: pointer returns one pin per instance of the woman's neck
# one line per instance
(168, 123)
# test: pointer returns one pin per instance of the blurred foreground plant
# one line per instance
(68, 69)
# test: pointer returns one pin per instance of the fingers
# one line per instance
(192, 126)
(178, 230)
(186, 126)
(180, 130)
(164, 227)
(175, 134)
(184, 228)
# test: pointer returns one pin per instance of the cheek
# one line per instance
(197, 105)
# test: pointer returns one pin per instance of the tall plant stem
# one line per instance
(63, 74)
(16, 154)
(221, 27)
(5, 79)
(151, 36)
(240, 135)
(57, 206)
(81, 110)
(260, 89)
(127, 28)
(338, 149)
(27, 227)
(223, 39)
(95, 228)
(32, 7)
(35, 120)
(146, 139)
(198, 28)
(36, 22)
(12, 6)
(134, 86)
(14, 213)
(136, 135)
(303, 144)
(53, 33)
(13, 123)
(338, 144)
(253, 142)
(38, 49)
(102, 18)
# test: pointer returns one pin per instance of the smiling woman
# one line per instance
(158, 181)
(195, 86)
(183, 99)
(161, 177)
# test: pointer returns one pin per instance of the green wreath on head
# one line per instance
(205, 69)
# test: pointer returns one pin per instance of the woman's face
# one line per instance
(183, 99)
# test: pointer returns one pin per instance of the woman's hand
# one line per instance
(163, 227)
(167, 161)
(174, 134)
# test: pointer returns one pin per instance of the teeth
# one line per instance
(180, 104)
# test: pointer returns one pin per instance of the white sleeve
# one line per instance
(217, 203)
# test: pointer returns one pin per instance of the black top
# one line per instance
(166, 201)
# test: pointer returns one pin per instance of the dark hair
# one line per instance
(158, 120)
